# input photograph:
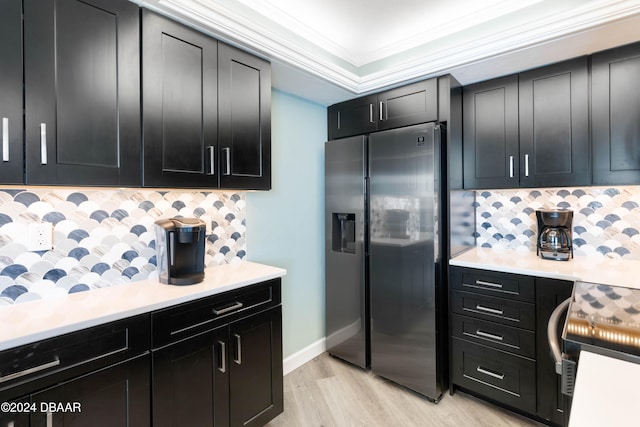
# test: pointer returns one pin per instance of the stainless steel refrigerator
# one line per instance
(385, 288)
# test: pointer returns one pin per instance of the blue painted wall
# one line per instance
(286, 224)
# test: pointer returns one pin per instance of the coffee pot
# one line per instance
(554, 234)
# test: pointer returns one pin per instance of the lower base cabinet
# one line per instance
(114, 396)
(236, 367)
(499, 347)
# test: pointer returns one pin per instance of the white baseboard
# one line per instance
(303, 356)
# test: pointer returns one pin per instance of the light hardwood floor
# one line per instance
(328, 392)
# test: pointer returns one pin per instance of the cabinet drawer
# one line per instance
(504, 285)
(508, 312)
(188, 319)
(497, 375)
(62, 357)
(502, 337)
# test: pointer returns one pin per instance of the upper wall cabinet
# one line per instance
(82, 92)
(615, 124)
(554, 125)
(530, 130)
(403, 106)
(244, 111)
(11, 161)
(180, 116)
(490, 123)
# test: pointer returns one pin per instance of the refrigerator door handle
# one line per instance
(436, 193)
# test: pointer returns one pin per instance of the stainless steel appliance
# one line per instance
(180, 250)
(385, 286)
(554, 234)
(600, 319)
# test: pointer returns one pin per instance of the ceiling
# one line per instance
(332, 50)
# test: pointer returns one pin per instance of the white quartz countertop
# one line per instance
(36, 320)
(608, 271)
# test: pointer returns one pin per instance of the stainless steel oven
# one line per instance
(600, 319)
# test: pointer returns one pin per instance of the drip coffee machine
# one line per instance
(554, 234)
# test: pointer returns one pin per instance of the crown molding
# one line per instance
(274, 42)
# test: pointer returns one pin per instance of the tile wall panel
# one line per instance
(103, 237)
(606, 220)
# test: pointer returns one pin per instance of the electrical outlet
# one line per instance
(40, 236)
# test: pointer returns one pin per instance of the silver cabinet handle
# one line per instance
(49, 419)
(338, 119)
(510, 166)
(371, 114)
(33, 370)
(5, 139)
(212, 158)
(223, 357)
(227, 160)
(490, 373)
(43, 143)
(490, 284)
(526, 165)
(489, 310)
(238, 358)
(381, 110)
(235, 306)
(488, 335)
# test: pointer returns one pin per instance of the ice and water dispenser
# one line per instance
(343, 234)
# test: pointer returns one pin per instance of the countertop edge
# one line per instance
(257, 273)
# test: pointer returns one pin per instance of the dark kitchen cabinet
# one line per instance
(114, 396)
(554, 125)
(180, 111)
(499, 346)
(407, 105)
(528, 130)
(82, 92)
(490, 134)
(228, 348)
(11, 149)
(100, 375)
(17, 415)
(549, 294)
(244, 111)
(615, 106)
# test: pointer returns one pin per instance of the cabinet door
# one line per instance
(549, 294)
(17, 414)
(11, 148)
(256, 394)
(179, 78)
(114, 396)
(82, 92)
(355, 117)
(245, 120)
(408, 105)
(191, 382)
(615, 110)
(554, 125)
(490, 123)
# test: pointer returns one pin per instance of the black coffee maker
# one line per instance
(554, 234)
(180, 246)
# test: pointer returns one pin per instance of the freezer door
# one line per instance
(347, 315)
(404, 170)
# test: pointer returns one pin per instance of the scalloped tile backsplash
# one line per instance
(104, 237)
(606, 220)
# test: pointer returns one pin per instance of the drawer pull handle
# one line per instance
(225, 310)
(238, 358)
(223, 357)
(490, 284)
(488, 335)
(30, 371)
(489, 310)
(490, 373)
